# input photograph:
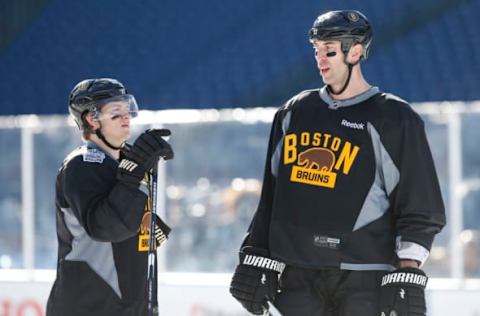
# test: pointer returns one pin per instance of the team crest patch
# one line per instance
(353, 16)
(318, 157)
(93, 155)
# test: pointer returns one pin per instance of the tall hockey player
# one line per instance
(103, 207)
(350, 202)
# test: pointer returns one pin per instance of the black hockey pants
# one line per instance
(307, 292)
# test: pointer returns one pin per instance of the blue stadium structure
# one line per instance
(216, 54)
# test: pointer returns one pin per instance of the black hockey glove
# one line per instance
(255, 281)
(402, 293)
(143, 155)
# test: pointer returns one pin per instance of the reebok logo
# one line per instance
(352, 125)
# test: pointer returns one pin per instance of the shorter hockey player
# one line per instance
(103, 208)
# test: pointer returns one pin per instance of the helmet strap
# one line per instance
(100, 135)
(329, 88)
(98, 132)
(346, 44)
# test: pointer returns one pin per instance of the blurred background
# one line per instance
(214, 72)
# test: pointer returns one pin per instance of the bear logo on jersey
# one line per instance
(317, 158)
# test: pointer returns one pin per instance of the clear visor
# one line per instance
(117, 107)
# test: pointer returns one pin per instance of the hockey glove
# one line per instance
(402, 293)
(255, 281)
(143, 155)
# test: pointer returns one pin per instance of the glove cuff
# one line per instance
(256, 257)
(406, 276)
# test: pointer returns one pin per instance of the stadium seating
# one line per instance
(190, 54)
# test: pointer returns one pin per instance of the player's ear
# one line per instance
(355, 53)
(92, 122)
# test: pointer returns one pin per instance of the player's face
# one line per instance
(330, 62)
(115, 118)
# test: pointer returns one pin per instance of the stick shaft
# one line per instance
(151, 244)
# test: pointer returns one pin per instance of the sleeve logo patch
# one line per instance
(93, 155)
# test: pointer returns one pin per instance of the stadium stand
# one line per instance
(229, 53)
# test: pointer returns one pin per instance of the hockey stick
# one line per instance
(152, 253)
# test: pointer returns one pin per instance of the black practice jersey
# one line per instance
(103, 239)
(347, 183)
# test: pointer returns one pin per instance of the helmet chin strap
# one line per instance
(100, 135)
(329, 88)
(350, 67)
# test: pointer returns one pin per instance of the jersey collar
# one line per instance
(335, 104)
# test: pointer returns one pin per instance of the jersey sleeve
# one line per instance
(258, 232)
(416, 199)
(106, 208)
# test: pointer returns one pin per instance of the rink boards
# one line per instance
(192, 294)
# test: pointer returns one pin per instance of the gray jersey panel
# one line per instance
(277, 154)
(366, 266)
(97, 254)
(387, 176)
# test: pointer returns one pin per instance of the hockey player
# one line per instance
(103, 208)
(350, 202)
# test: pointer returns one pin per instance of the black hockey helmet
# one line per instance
(91, 94)
(347, 26)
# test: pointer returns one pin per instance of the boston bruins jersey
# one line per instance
(348, 184)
